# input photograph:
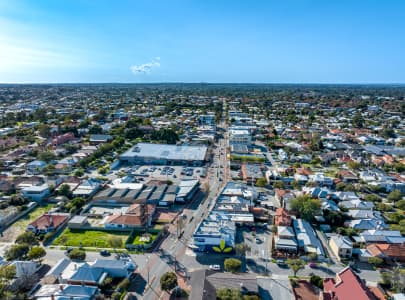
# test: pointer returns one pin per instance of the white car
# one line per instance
(215, 267)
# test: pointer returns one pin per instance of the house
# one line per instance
(285, 239)
(137, 216)
(48, 222)
(282, 217)
(341, 246)
(36, 192)
(250, 173)
(347, 176)
(87, 188)
(206, 282)
(308, 242)
(366, 224)
(357, 204)
(284, 197)
(90, 273)
(381, 236)
(65, 291)
(346, 285)
(363, 214)
(35, 167)
(96, 139)
(388, 252)
(63, 139)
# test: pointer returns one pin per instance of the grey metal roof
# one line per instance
(164, 151)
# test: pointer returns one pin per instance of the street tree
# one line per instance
(17, 252)
(232, 265)
(295, 265)
(78, 254)
(168, 281)
(36, 253)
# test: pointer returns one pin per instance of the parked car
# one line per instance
(105, 253)
(258, 241)
(281, 263)
(313, 265)
(215, 267)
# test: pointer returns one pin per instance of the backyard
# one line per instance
(90, 238)
(11, 233)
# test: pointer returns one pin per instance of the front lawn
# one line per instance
(89, 238)
(138, 240)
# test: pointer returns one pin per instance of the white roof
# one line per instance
(164, 151)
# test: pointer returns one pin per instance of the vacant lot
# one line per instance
(89, 238)
(10, 234)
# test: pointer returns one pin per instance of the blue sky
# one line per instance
(283, 41)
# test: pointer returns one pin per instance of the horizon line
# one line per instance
(202, 82)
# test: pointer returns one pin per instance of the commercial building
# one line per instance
(239, 136)
(163, 154)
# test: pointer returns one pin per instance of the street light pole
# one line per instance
(147, 265)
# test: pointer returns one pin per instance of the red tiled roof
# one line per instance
(282, 217)
(396, 251)
(347, 286)
(46, 220)
(126, 220)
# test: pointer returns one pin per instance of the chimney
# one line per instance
(52, 297)
(61, 287)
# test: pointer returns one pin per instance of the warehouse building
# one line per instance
(162, 154)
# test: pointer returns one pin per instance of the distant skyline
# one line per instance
(146, 41)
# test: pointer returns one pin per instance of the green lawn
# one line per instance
(89, 238)
(137, 241)
(32, 216)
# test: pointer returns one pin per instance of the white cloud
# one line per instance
(147, 67)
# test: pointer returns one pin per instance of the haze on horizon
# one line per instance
(291, 41)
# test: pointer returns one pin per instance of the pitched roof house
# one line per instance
(282, 217)
(346, 286)
(48, 222)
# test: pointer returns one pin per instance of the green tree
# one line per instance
(228, 294)
(375, 261)
(358, 120)
(168, 281)
(305, 206)
(36, 253)
(354, 165)
(278, 184)
(77, 254)
(400, 204)
(64, 190)
(28, 238)
(115, 242)
(46, 156)
(317, 281)
(372, 198)
(395, 195)
(295, 265)
(17, 252)
(261, 182)
(232, 265)
(44, 130)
